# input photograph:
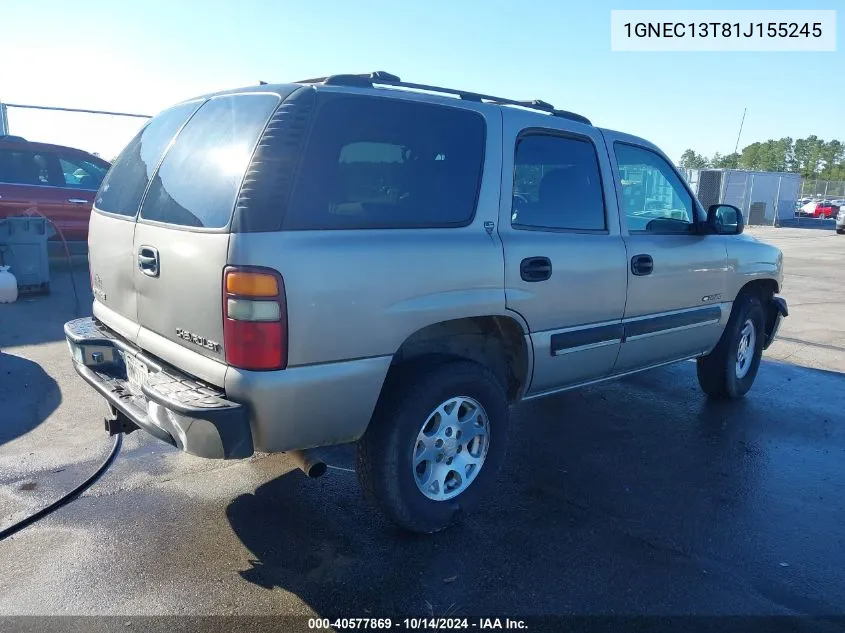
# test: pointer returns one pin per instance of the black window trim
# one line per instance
(324, 97)
(541, 131)
(618, 185)
(135, 217)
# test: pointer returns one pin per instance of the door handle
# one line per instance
(148, 261)
(77, 200)
(535, 268)
(642, 265)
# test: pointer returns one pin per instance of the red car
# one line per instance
(58, 182)
(820, 209)
(825, 210)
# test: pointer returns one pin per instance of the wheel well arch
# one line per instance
(764, 290)
(496, 341)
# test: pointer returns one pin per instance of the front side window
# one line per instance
(557, 185)
(654, 199)
(80, 173)
(388, 163)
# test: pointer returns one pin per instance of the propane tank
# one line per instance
(8, 286)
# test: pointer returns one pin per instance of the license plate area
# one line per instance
(137, 372)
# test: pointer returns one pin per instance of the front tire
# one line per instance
(435, 443)
(728, 372)
(840, 231)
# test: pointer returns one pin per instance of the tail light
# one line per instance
(254, 318)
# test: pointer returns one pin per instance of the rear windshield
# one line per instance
(388, 163)
(199, 177)
(124, 185)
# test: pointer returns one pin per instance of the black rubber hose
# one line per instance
(65, 499)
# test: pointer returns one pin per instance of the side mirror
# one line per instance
(725, 219)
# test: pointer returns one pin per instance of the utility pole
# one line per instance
(741, 123)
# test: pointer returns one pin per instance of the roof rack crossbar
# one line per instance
(384, 78)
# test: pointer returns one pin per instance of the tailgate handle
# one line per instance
(148, 261)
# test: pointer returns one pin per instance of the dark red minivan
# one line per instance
(58, 182)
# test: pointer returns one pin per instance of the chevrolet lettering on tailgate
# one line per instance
(197, 340)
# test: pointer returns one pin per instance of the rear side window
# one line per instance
(557, 184)
(199, 177)
(126, 181)
(387, 163)
(23, 167)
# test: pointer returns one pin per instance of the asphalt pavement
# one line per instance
(632, 497)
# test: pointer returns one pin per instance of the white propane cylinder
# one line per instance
(8, 286)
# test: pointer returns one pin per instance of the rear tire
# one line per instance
(840, 231)
(728, 372)
(432, 413)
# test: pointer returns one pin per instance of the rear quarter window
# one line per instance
(124, 185)
(200, 175)
(388, 163)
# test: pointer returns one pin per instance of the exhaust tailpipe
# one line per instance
(309, 462)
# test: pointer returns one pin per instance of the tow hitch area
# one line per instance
(118, 423)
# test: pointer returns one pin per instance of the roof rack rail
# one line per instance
(13, 137)
(387, 79)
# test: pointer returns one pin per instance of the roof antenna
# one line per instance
(262, 83)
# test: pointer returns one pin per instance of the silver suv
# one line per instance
(359, 259)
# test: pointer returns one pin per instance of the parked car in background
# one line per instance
(825, 209)
(56, 181)
(821, 209)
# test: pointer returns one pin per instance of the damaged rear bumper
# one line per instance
(172, 406)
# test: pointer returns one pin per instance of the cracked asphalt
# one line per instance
(633, 497)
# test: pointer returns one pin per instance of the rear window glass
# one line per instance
(199, 177)
(386, 163)
(125, 183)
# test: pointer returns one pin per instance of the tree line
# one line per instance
(811, 157)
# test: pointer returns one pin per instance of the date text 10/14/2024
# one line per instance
(415, 624)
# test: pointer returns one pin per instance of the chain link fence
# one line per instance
(767, 198)
(823, 189)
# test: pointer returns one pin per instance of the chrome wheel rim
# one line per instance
(745, 349)
(451, 448)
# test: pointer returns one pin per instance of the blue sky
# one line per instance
(143, 56)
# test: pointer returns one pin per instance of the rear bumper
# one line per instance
(176, 408)
(777, 312)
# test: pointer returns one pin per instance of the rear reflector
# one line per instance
(254, 332)
(252, 284)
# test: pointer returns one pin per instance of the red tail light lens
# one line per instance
(254, 318)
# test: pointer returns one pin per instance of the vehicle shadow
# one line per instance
(610, 494)
(27, 396)
(39, 318)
